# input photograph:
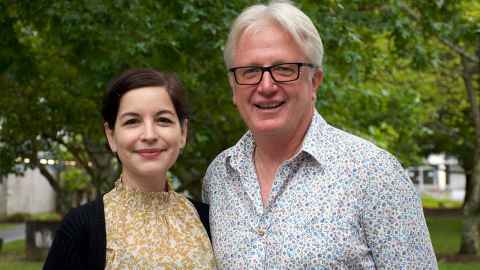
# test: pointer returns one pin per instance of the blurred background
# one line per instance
(403, 74)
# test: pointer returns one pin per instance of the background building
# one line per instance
(440, 176)
(29, 193)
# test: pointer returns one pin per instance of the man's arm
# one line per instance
(393, 220)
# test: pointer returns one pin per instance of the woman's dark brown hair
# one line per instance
(138, 78)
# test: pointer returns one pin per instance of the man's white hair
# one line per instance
(287, 16)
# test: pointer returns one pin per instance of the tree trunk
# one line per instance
(468, 187)
(470, 235)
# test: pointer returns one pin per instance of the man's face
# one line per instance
(271, 108)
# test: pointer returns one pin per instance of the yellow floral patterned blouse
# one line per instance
(154, 230)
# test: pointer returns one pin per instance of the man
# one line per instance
(295, 192)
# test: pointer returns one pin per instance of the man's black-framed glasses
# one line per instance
(252, 75)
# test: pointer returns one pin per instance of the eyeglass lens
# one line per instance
(279, 73)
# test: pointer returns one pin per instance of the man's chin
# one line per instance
(268, 128)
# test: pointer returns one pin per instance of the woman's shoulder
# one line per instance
(79, 241)
(78, 220)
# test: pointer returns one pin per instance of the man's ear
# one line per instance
(317, 79)
(232, 83)
(110, 139)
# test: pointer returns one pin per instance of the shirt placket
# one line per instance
(282, 177)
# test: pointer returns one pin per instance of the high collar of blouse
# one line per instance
(142, 200)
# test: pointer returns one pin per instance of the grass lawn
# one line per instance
(430, 202)
(12, 257)
(445, 233)
(458, 266)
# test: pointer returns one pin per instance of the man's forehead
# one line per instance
(261, 27)
(267, 44)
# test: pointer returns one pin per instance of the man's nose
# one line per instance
(267, 83)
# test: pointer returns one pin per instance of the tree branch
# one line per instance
(472, 97)
(77, 154)
(459, 50)
(43, 169)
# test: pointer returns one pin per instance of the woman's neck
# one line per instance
(145, 184)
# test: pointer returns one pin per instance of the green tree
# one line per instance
(455, 26)
(57, 57)
(60, 55)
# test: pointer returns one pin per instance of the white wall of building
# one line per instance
(30, 193)
(440, 175)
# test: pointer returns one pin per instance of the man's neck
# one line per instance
(277, 148)
(271, 150)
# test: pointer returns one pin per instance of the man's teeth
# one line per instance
(269, 106)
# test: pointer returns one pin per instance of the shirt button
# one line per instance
(261, 232)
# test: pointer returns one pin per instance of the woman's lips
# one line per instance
(149, 153)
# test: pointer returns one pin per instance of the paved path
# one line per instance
(14, 233)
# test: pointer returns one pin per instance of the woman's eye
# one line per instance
(130, 122)
(164, 120)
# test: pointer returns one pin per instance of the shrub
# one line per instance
(17, 217)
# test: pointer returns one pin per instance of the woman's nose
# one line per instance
(149, 133)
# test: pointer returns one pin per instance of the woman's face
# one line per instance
(147, 135)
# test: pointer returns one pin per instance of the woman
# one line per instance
(139, 224)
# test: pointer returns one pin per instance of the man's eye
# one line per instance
(249, 72)
(284, 70)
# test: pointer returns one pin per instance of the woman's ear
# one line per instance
(184, 128)
(110, 137)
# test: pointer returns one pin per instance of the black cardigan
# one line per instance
(80, 242)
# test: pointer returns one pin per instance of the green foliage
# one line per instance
(23, 217)
(6, 226)
(47, 216)
(73, 49)
(58, 56)
(442, 31)
(15, 218)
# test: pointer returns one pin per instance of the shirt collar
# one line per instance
(242, 152)
(314, 143)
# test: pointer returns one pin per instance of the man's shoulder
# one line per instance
(344, 144)
(328, 143)
(346, 139)
(364, 160)
(366, 154)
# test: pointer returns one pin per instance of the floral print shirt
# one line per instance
(339, 203)
(154, 230)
